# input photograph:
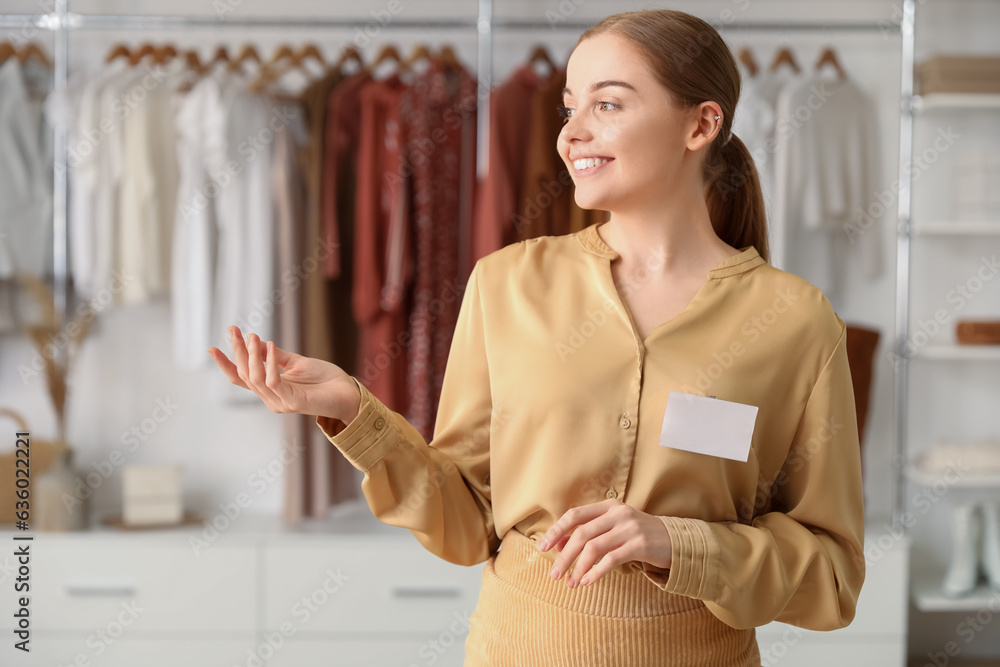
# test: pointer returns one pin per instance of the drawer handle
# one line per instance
(100, 590)
(426, 592)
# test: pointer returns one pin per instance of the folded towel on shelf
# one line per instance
(975, 458)
(959, 74)
(978, 332)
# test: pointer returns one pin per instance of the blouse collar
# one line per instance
(748, 257)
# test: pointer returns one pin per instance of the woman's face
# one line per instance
(618, 112)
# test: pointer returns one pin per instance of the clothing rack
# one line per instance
(61, 21)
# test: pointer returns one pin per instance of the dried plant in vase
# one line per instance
(50, 338)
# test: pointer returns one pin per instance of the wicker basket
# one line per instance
(41, 455)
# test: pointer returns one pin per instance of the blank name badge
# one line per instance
(708, 425)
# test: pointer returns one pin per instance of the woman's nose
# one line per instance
(575, 128)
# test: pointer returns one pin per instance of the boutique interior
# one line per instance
(328, 176)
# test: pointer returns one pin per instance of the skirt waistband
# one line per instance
(621, 593)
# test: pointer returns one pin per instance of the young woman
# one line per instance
(645, 430)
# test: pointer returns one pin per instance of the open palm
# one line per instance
(286, 381)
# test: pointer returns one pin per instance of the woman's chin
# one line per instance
(589, 203)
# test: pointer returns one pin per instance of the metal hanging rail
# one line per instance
(61, 21)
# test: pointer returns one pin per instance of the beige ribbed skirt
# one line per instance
(524, 618)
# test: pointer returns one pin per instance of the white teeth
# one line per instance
(586, 163)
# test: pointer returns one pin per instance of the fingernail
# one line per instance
(571, 582)
(585, 581)
(543, 545)
(555, 573)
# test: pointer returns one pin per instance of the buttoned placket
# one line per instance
(627, 420)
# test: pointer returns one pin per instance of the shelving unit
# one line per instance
(925, 587)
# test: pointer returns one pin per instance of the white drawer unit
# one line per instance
(162, 587)
(376, 585)
(348, 591)
(71, 650)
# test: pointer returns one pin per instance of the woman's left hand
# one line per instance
(609, 531)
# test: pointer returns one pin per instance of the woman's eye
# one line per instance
(566, 113)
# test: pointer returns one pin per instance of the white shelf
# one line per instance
(932, 101)
(928, 596)
(958, 352)
(970, 481)
(956, 227)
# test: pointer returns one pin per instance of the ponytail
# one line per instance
(734, 196)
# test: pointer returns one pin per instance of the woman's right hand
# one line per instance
(307, 386)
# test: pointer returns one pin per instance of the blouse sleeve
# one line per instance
(802, 562)
(440, 490)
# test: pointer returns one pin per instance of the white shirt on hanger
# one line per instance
(825, 168)
(25, 180)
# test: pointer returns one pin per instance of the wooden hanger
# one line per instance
(194, 62)
(350, 53)
(746, 57)
(32, 50)
(309, 51)
(420, 52)
(388, 53)
(246, 54)
(785, 56)
(540, 54)
(144, 50)
(164, 54)
(830, 57)
(270, 71)
(446, 56)
(117, 52)
(7, 50)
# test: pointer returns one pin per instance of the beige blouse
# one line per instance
(551, 400)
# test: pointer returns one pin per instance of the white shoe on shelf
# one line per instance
(967, 533)
(991, 542)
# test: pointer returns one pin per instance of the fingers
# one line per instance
(258, 374)
(248, 371)
(601, 548)
(228, 367)
(239, 354)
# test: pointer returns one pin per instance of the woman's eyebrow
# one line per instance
(604, 84)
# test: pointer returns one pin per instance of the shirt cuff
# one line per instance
(694, 560)
(368, 437)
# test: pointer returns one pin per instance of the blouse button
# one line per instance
(379, 423)
(612, 493)
(624, 422)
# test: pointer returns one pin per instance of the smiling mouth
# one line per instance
(590, 165)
